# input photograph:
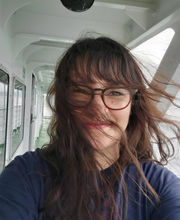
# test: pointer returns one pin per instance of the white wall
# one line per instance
(14, 67)
(5, 48)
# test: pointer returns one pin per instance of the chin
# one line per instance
(103, 142)
(105, 138)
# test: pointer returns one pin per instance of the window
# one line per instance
(151, 52)
(4, 88)
(18, 115)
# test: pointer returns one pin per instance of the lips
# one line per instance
(97, 125)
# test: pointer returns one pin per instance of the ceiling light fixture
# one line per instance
(77, 5)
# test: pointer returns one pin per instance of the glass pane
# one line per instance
(4, 86)
(18, 115)
(152, 51)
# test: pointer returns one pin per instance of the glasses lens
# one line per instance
(117, 98)
(79, 95)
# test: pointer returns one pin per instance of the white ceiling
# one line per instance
(42, 29)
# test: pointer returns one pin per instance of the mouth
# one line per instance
(93, 125)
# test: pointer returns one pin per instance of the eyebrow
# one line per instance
(105, 84)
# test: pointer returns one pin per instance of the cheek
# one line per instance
(122, 117)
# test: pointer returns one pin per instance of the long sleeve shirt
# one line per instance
(22, 190)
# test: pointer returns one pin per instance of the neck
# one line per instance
(107, 156)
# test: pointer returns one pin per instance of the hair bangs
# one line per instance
(110, 68)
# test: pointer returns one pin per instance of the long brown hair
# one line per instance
(74, 189)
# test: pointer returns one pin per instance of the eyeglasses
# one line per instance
(115, 98)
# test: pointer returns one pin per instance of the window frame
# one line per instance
(14, 149)
(6, 116)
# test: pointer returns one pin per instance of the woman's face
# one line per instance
(103, 135)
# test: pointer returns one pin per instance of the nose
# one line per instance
(98, 101)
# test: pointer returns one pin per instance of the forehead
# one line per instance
(94, 83)
(91, 70)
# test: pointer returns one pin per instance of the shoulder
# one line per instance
(28, 160)
(22, 186)
(26, 163)
(167, 186)
(158, 176)
(162, 179)
(27, 169)
(164, 182)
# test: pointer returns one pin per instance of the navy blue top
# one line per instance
(22, 189)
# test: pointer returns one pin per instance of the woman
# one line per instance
(100, 162)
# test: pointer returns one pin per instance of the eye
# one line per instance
(78, 90)
(81, 90)
(117, 92)
(114, 93)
